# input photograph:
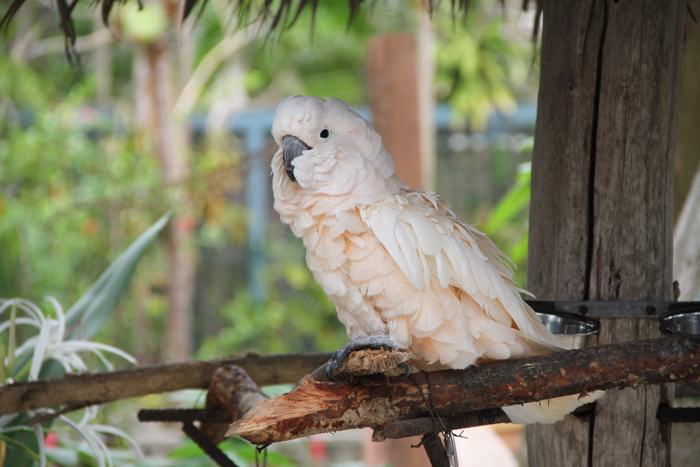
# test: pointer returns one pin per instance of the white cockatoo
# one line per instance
(403, 271)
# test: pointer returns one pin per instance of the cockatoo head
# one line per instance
(327, 149)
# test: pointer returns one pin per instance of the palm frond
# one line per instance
(274, 14)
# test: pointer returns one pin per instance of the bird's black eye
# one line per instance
(325, 133)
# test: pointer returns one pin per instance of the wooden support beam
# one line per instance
(319, 407)
(602, 199)
(403, 116)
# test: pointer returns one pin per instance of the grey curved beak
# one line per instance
(292, 147)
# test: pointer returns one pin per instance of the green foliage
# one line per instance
(70, 198)
(55, 350)
(328, 62)
(479, 67)
(295, 317)
(239, 451)
(94, 308)
(508, 222)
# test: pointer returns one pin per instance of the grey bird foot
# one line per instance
(361, 343)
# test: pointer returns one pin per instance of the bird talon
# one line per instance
(329, 372)
(406, 369)
(366, 342)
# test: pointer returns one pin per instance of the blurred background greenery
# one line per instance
(79, 179)
(84, 169)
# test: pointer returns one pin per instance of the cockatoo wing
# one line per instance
(429, 243)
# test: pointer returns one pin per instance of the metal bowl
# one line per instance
(574, 332)
(681, 323)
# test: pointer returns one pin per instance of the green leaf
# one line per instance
(96, 305)
(518, 252)
(509, 207)
(22, 444)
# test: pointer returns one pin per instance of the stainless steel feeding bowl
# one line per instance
(574, 332)
(682, 323)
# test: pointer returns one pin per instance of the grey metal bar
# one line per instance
(614, 309)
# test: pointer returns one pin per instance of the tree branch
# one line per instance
(317, 407)
(97, 388)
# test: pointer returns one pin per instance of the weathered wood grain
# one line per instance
(561, 169)
(97, 388)
(319, 407)
(601, 211)
(632, 237)
(233, 392)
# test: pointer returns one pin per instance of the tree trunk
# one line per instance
(401, 113)
(159, 76)
(602, 199)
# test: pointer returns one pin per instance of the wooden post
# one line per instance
(401, 113)
(602, 206)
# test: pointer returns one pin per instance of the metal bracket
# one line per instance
(187, 416)
(614, 309)
(668, 414)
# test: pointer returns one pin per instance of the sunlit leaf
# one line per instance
(509, 207)
(20, 447)
(94, 308)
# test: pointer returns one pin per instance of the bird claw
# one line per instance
(406, 370)
(366, 342)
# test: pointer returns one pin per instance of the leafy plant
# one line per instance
(53, 348)
(479, 66)
(50, 344)
(239, 451)
(508, 222)
(95, 306)
(296, 315)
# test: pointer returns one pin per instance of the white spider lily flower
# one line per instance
(48, 344)
(28, 307)
(39, 433)
(96, 445)
(110, 430)
(92, 434)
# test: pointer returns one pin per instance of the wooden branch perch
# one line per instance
(97, 388)
(317, 407)
(233, 391)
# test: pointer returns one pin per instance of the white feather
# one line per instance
(442, 270)
(429, 239)
(408, 247)
(548, 411)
